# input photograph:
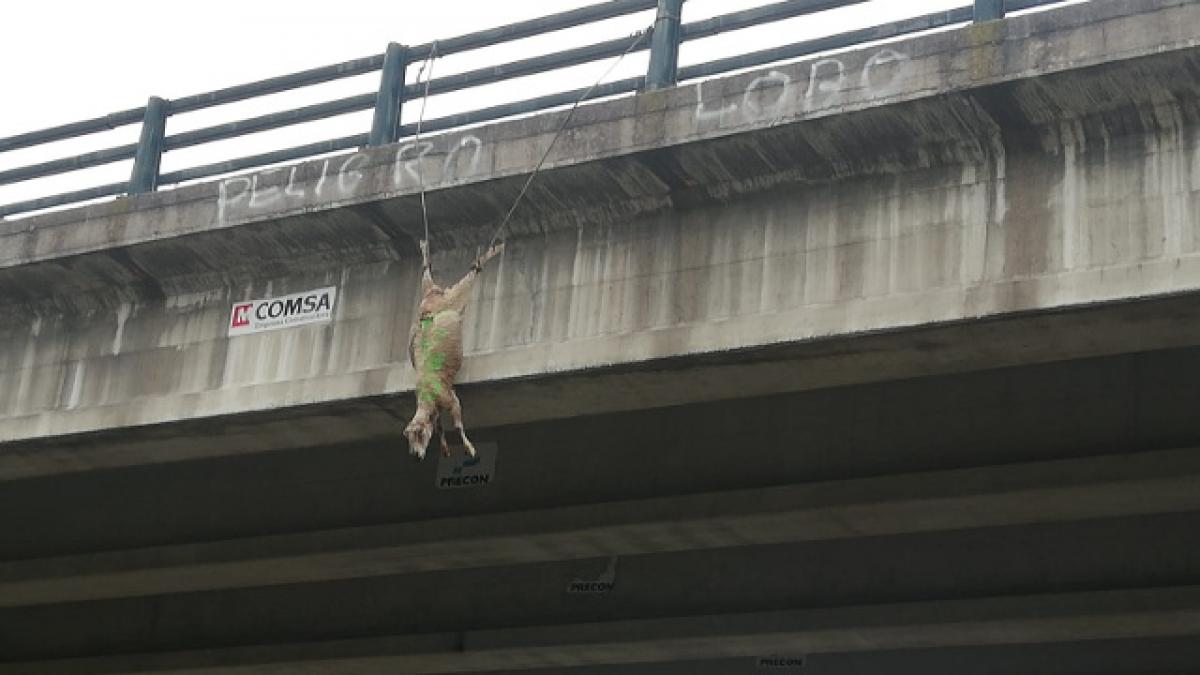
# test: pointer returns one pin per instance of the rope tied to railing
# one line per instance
(417, 137)
(637, 40)
(638, 37)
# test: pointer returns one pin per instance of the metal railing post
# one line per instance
(144, 177)
(385, 126)
(664, 45)
(987, 10)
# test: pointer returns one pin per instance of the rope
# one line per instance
(638, 37)
(566, 120)
(417, 137)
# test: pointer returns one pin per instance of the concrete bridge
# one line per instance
(885, 360)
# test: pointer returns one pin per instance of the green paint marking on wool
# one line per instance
(429, 385)
(436, 361)
(429, 388)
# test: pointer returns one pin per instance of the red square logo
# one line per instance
(241, 315)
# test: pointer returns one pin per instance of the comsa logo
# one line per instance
(293, 306)
(286, 311)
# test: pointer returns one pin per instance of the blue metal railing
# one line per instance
(668, 33)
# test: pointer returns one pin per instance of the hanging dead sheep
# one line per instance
(436, 351)
(436, 346)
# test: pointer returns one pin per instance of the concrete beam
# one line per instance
(1040, 619)
(1016, 340)
(1020, 494)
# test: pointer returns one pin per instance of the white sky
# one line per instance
(68, 60)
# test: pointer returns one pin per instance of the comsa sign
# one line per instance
(297, 309)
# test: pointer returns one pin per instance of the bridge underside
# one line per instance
(972, 516)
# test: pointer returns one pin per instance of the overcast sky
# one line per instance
(66, 60)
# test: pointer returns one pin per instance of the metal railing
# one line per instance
(668, 32)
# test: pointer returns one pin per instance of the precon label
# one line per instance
(460, 471)
(286, 311)
(605, 583)
(781, 662)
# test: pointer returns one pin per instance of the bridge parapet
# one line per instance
(662, 38)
